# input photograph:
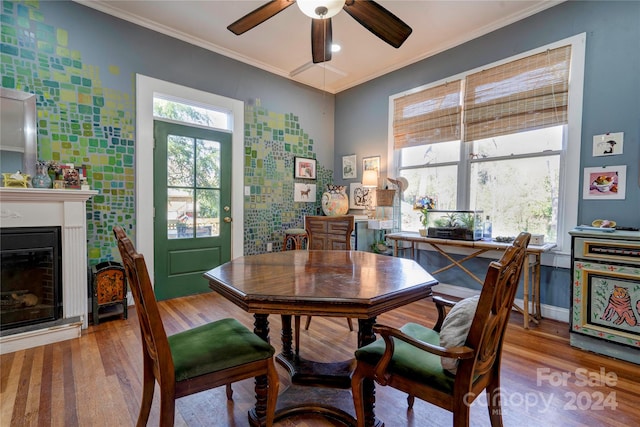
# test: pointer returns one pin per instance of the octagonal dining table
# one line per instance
(355, 284)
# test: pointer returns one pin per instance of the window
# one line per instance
(185, 112)
(504, 139)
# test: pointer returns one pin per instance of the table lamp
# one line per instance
(370, 181)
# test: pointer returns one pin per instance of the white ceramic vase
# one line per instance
(335, 200)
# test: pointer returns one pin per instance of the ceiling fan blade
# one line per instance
(379, 21)
(259, 15)
(321, 40)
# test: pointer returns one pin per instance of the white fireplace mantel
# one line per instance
(35, 207)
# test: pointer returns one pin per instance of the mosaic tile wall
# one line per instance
(271, 143)
(79, 121)
(84, 123)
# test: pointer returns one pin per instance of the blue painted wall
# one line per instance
(611, 101)
(611, 95)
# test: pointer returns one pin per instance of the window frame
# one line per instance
(571, 145)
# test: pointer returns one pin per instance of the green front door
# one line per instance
(192, 199)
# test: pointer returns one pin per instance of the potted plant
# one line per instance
(467, 220)
(424, 219)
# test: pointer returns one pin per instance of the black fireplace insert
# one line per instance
(31, 282)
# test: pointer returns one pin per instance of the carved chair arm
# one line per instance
(387, 333)
(441, 304)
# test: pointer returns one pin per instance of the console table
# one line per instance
(531, 292)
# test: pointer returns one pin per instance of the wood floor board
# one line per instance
(96, 380)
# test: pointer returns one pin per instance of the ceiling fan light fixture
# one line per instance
(320, 9)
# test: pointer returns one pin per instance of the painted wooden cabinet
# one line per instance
(605, 305)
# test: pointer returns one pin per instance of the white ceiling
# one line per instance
(282, 44)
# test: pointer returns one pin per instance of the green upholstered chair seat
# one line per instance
(409, 361)
(215, 346)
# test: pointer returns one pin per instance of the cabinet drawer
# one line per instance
(607, 250)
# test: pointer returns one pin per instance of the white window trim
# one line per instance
(146, 89)
(570, 161)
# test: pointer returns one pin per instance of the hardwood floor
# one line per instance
(96, 380)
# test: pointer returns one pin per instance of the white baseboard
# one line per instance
(548, 311)
(25, 340)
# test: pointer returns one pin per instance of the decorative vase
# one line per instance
(423, 232)
(41, 179)
(335, 200)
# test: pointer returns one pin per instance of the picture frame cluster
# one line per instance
(70, 177)
(350, 166)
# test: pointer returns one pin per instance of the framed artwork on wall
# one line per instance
(303, 192)
(349, 167)
(361, 197)
(371, 163)
(605, 183)
(304, 168)
(608, 144)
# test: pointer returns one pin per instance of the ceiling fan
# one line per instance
(369, 14)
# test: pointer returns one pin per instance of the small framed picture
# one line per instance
(304, 168)
(304, 192)
(361, 197)
(605, 183)
(349, 167)
(608, 144)
(70, 176)
(371, 163)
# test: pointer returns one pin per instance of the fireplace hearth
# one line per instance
(30, 286)
(66, 211)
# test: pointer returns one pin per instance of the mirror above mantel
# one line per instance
(18, 139)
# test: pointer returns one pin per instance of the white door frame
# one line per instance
(146, 88)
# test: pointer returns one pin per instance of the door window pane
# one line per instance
(207, 163)
(180, 156)
(208, 213)
(180, 218)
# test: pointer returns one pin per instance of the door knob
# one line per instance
(227, 219)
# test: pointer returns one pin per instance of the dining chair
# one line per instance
(451, 364)
(208, 356)
(326, 233)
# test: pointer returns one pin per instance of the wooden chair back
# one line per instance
(325, 233)
(329, 232)
(489, 324)
(243, 355)
(154, 338)
(479, 359)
